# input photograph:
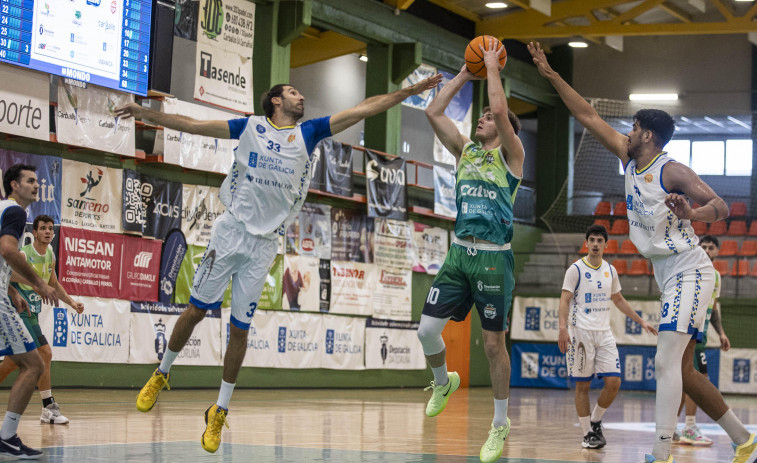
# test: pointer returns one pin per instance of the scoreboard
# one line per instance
(102, 42)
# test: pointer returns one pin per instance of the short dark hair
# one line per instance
(597, 230)
(710, 239)
(265, 99)
(42, 218)
(514, 121)
(13, 174)
(657, 121)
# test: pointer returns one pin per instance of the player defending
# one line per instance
(479, 265)
(20, 182)
(691, 433)
(660, 218)
(589, 286)
(263, 193)
(39, 255)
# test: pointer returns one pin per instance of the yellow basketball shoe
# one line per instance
(492, 449)
(440, 394)
(215, 419)
(149, 394)
(746, 452)
(650, 459)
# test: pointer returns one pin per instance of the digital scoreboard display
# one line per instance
(102, 42)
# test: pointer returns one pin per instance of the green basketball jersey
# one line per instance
(715, 295)
(484, 192)
(44, 266)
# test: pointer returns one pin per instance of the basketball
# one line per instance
(474, 58)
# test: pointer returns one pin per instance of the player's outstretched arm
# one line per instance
(680, 178)
(613, 140)
(63, 295)
(717, 325)
(215, 129)
(513, 148)
(443, 126)
(9, 251)
(564, 338)
(622, 304)
(378, 104)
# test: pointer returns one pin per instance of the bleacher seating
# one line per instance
(604, 222)
(612, 247)
(700, 228)
(603, 208)
(620, 209)
(627, 248)
(738, 209)
(638, 267)
(619, 227)
(740, 268)
(721, 266)
(737, 228)
(718, 228)
(753, 271)
(621, 266)
(728, 248)
(748, 249)
(752, 228)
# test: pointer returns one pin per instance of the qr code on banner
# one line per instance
(136, 196)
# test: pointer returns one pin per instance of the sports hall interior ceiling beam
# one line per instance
(527, 24)
(458, 10)
(399, 4)
(315, 45)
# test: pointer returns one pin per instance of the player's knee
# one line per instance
(194, 313)
(583, 386)
(494, 347)
(46, 354)
(431, 339)
(612, 383)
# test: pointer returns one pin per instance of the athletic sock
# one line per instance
(10, 425)
(224, 395)
(598, 413)
(691, 421)
(440, 375)
(732, 425)
(47, 397)
(585, 424)
(663, 439)
(500, 413)
(168, 358)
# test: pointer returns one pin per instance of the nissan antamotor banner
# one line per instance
(386, 187)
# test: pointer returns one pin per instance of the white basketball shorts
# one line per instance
(592, 352)
(684, 301)
(14, 337)
(233, 253)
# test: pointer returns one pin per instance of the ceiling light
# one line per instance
(653, 97)
(578, 44)
(496, 5)
(364, 58)
(743, 1)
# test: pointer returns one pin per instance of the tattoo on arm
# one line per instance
(715, 321)
(717, 214)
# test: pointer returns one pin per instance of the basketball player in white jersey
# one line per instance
(20, 183)
(263, 193)
(585, 337)
(659, 215)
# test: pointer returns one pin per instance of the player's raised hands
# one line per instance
(426, 84)
(467, 75)
(679, 205)
(540, 60)
(129, 110)
(492, 53)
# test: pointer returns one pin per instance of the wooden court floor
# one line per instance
(350, 426)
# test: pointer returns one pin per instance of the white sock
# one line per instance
(691, 421)
(598, 413)
(224, 395)
(670, 347)
(168, 358)
(732, 425)
(46, 394)
(10, 425)
(500, 413)
(585, 424)
(440, 375)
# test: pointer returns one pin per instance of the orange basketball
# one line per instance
(474, 58)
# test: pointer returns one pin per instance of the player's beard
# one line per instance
(293, 109)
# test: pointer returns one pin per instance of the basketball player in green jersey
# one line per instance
(691, 433)
(39, 255)
(479, 265)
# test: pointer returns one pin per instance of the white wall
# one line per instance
(712, 72)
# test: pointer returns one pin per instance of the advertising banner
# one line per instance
(385, 186)
(351, 236)
(420, 101)
(318, 171)
(393, 345)
(392, 294)
(225, 32)
(151, 206)
(24, 102)
(91, 197)
(100, 334)
(191, 261)
(270, 298)
(201, 207)
(393, 244)
(48, 172)
(262, 339)
(738, 371)
(140, 267)
(337, 164)
(194, 151)
(444, 192)
(431, 245)
(151, 325)
(315, 230)
(344, 343)
(301, 283)
(86, 117)
(171, 257)
(90, 262)
(351, 287)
